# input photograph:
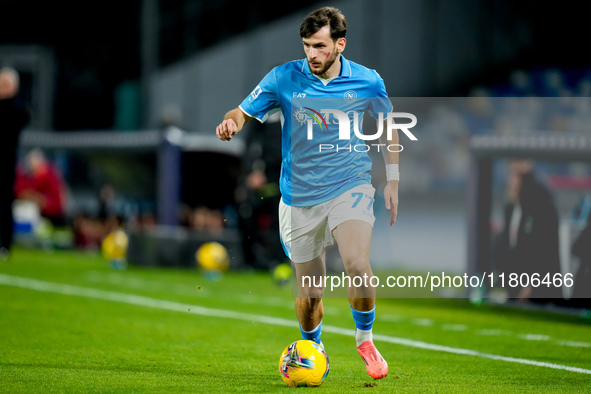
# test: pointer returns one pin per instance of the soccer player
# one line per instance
(326, 194)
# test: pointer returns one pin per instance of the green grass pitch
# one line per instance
(69, 323)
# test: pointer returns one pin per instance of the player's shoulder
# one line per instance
(289, 67)
(359, 70)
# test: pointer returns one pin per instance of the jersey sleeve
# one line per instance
(264, 98)
(380, 101)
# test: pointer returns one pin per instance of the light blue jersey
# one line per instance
(311, 175)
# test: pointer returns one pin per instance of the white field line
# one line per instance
(574, 343)
(115, 278)
(132, 299)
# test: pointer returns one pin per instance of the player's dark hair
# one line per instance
(325, 16)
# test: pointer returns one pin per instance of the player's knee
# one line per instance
(357, 266)
(312, 293)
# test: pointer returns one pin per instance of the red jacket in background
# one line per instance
(45, 187)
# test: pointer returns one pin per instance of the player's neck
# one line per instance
(333, 70)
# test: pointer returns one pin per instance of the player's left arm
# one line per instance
(391, 161)
(382, 103)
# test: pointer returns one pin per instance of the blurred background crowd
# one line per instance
(176, 67)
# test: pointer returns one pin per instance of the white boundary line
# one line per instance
(132, 299)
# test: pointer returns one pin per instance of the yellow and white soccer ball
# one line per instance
(213, 256)
(114, 246)
(303, 363)
(282, 274)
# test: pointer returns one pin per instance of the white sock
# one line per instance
(362, 336)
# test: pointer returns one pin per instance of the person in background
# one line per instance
(14, 115)
(106, 197)
(258, 195)
(40, 182)
(581, 297)
(528, 243)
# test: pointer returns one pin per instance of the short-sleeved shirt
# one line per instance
(310, 175)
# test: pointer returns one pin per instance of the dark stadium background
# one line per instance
(97, 44)
(103, 53)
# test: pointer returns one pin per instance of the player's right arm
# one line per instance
(258, 104)
(233, 122)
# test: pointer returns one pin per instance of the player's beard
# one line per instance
(329, 62)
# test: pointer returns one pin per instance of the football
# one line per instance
(282, 274)
(303, 363)
(213, 256)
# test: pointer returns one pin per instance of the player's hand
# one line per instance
(226, 129)
(391, 197)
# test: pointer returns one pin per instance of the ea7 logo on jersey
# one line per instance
(299, 95)
(255, 93)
